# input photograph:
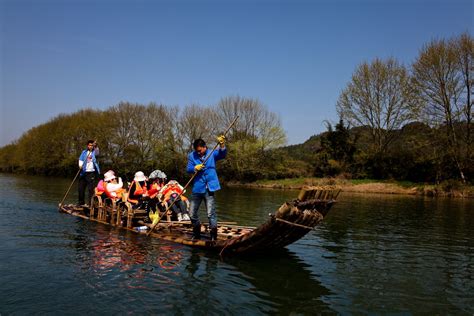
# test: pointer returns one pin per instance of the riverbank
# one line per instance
(446, 189)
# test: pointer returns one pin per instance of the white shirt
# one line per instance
(89, 163)
(113, 187)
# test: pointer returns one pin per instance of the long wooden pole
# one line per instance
(73, 180)
(192, 178)
(70, 186)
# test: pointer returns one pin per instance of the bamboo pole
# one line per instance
(189, 222)
(70, 186)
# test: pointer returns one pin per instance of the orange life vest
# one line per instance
(168, 190)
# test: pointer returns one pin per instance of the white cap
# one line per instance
(109, 175)
(139, 176)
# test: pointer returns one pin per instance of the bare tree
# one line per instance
(195, 121)
(270, 133)
(439, 82)
(256, 131)
(256, 122)
(465, 50)
(380, 97)
(154, 130)
(122, 140)
(140, 131)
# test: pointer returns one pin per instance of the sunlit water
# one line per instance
(372, 254)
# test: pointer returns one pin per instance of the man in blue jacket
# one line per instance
(89, 171)
(205, 183)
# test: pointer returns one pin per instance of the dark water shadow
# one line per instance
(284, 279)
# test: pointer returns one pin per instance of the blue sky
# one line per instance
(294, 56)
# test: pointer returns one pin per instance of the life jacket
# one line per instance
(116, 195)
(100, 189)
(139, 190)
(170, 189)
(154, 189)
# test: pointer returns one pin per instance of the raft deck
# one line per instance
(289, 223)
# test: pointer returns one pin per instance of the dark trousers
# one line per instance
(86, 181)
(142, 204)
(178, 206)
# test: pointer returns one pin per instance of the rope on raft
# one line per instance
(291, 223)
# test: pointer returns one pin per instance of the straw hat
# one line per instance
(109, 175)
(139, 176)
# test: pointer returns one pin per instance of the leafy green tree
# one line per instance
(339, 143)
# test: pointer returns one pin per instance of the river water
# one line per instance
(372, 254)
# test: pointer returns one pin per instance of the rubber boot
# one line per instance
(197, 232)
(213, 234)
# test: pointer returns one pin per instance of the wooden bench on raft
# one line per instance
(116, 212)
(141, 214)
(108, 210)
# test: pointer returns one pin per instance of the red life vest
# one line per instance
(155, 188)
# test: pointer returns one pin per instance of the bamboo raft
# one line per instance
(288, 224)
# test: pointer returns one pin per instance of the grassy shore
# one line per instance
(448, 188)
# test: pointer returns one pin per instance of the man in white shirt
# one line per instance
(89, 171)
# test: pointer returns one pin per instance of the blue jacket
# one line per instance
(206, 178)
(83, 157)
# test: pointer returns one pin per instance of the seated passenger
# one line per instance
(172, 192)
(157, 180)
(138, 192)
(113, 189)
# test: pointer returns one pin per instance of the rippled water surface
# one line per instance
(372, 254)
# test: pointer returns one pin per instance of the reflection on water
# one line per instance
(286, 281)
(406, 253)
(372, 254)
(145, 268)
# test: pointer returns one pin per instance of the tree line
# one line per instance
(134, 137)
(405, 122)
